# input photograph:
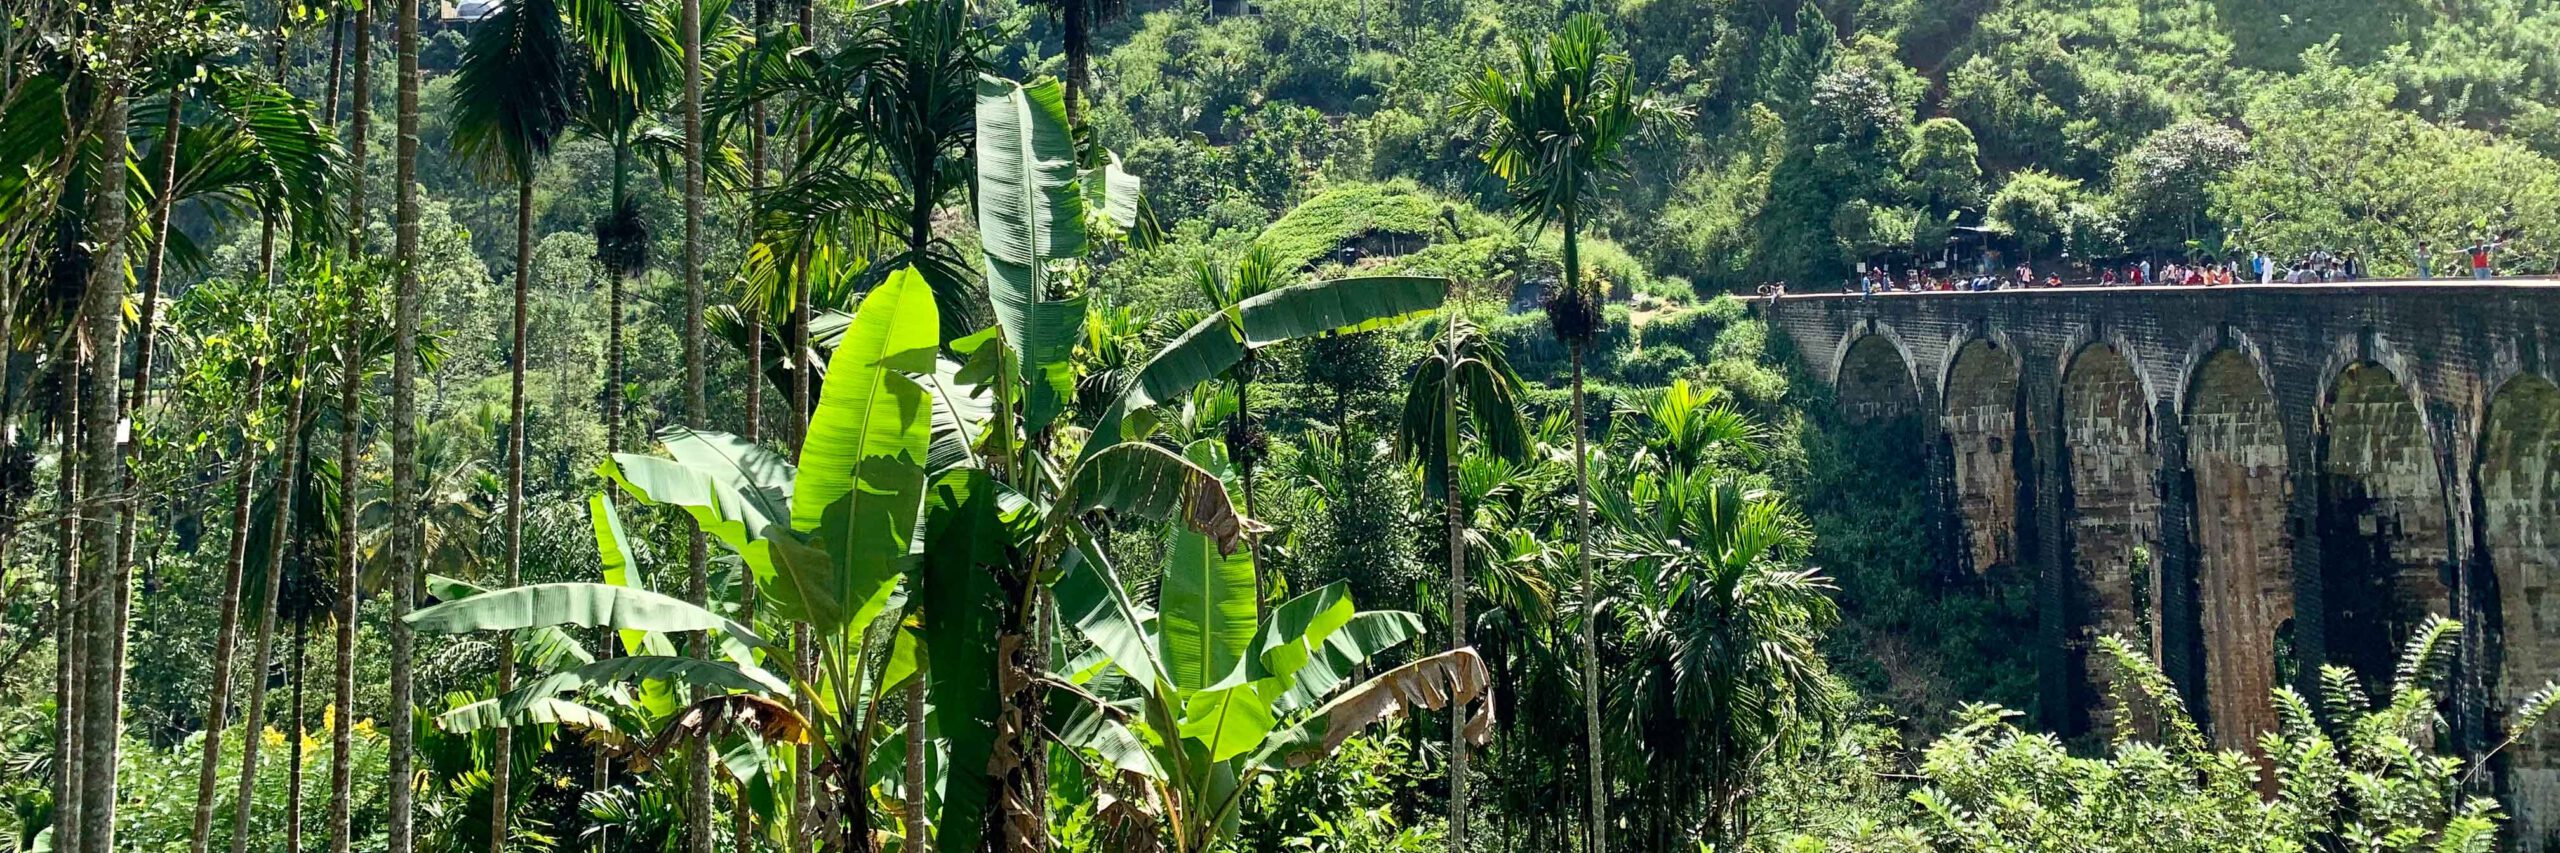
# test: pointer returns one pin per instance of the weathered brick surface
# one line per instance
(2113, 512)
(2382, 521)
(1874, 381)
(1981, 423)
(2235, 451)
(2368, 465)
(2520, 499)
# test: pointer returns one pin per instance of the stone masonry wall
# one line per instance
(2236, 453)
(1981, 424)
(2114, 512)
(2391, 451)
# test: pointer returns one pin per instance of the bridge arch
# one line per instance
(2237, 463)
(1986, 443)
(2111, 495)
(1874, 378)
(2519, 503)
(2386, 546)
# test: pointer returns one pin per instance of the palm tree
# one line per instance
(1560, 128)
(288, 454)
(1465, 377)
(258, 147)
(404, 437)
(697, 407)
(1722, 628)
(899, 97)
(1076, 20)
(1258, 273)
(350, 418)
(512, 98)
(101, 472)
(632, 52)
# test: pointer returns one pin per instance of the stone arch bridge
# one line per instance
(2251, 481)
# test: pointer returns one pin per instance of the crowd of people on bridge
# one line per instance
(2318, 266)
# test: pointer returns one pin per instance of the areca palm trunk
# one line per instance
(337, 69)
(601, 773)
(404, 440)
(102, 310)
(293, 756)
(350, 465)
(804, 647)
(502, 755)
(153, 266)
(227, 638)
(264, 650)
(69, 692)
(1457, 585)
(763, 21)
(1597, 779)
(697, 791)
(1076, 33)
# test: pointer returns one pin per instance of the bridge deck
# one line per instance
(2361, 286)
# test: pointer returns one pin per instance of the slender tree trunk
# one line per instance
(69, 690)
(260, 660)
(164, 198)
(602, 771)
(1076, 31)
(102, 310)
(1598, 794)
(350, 463)
(293, 735)
(697, 791)
(755, 309)
(337, 67)
(404, 440)
(359, 125)
(502, 756)
(613, 357)
(227, 639)
(919, 838)
(1598, 780)
(803, 644)
(1457, 585)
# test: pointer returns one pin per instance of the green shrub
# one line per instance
(1655, 365)
(1343, 214)
(1538, 357)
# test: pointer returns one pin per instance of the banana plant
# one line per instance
(1198, 699)
(831, 543)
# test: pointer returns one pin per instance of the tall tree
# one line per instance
(1076, 20)
(288, 455)
(101, 332)
(1560, 129)
(697, 784)
(513, 95)
(342, 693)
(1465, 380)
(1723, 634)
(404, 436)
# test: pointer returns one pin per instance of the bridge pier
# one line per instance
(2249, 481)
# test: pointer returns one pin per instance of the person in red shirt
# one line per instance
(2480, 253)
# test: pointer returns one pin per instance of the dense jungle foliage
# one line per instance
(1131, 425)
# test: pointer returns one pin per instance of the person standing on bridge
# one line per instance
(2425, 271)
(2480, 256)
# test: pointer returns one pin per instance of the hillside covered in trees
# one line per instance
(1126, 425)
